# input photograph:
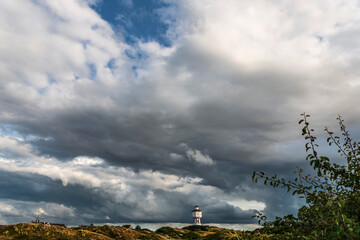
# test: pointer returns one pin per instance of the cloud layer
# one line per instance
(141, 132)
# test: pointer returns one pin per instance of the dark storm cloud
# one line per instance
(140, 142)
(29, 187)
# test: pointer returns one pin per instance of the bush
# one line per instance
(198, 228)
(168, 231)
(332, 193)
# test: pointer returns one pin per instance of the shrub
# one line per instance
(332, 193)
(168, 231)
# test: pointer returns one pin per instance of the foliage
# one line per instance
(171, 232)
(198, 228)
(332, 192)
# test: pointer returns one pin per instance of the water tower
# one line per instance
(197, 215)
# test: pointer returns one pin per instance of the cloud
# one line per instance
(40, 212)
(176, 157)
(7, 209)
(197, 156)
(124, 20)
(83, 160)
(127, 3)
(87, 115)
(13, 211)
(118, 185)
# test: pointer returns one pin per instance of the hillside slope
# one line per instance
(42, 232)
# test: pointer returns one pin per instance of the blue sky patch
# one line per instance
(52, 80)
(93, 71)
(85, 43)
(41, 91)
(8, 130)
(136, 19)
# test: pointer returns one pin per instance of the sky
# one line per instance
(135, 111)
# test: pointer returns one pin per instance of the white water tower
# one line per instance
(197, 215)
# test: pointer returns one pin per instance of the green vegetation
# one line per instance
(41, 231)
(331, 192)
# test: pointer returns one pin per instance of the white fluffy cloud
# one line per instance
(52, 53)
(196, 155)
(287, 56)
(257, 33)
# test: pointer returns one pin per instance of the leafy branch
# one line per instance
(332, 195)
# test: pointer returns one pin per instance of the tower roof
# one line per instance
(197, 209)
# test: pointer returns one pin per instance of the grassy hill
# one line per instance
(40, 231)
